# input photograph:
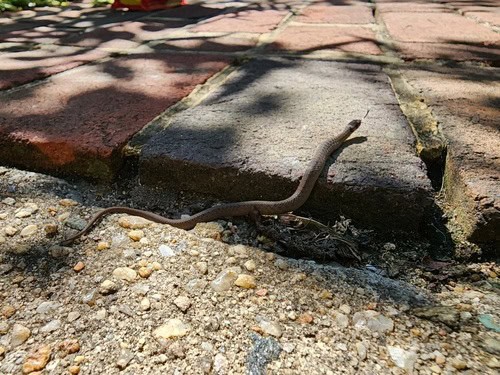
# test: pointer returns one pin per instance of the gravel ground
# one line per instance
(135, 297)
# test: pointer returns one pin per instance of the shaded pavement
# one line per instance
(230, 99)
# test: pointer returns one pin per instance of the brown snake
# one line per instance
(297, 199)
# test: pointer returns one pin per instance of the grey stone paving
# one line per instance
(253, 137)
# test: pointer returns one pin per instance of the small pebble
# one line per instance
(225, 279)
(74, 370)
(183, 303)
(72, 316)
(145, 272)
(325, 294)
(102, 245)
(136, 235)
(202, 267)
(51, 326)
(173, 328)
(125, 273)
(459, 364)
(269, 327)
(37, 360)
(245, 281)
(133, 222)
(346, 309)
(124, 359)
(108, 287)
(68, 347)
(26, 212)
(250, 265)
(341, 320)
(9, 201)
(305, 318)
(68, 202)
(51, 230)
(4, 327)
(48, 307)
(261, 292)
(361, 349)
(78, 267)
(8, 311)
(404, 359)
(440, 359)
(10, 230)
(79, 359)
(19, 334)
(145, 304)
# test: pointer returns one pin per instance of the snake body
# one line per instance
(296, 200)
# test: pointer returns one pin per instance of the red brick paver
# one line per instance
(193, 11)
(489, 17)
(395, 7)
(441, 35)
(311, 38)
(123, 35)
(41, 35)
(336, 14)
(78, 122)
(25, 66)
(437, 28)
(194, 42)
(464, 102)
(251, 21)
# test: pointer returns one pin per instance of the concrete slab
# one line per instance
(19, 67)
(323, 13)
(253, 137)
(243, 21)
(306, 39)
(465, 102)
(77, 122)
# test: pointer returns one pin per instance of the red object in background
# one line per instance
(147, 4)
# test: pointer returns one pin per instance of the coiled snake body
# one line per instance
(297, 199)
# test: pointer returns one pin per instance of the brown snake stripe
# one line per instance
(297, 199)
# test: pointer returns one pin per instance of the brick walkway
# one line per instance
(84, 88)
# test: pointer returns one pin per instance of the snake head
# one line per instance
(353, 125)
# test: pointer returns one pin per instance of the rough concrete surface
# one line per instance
(465, 102)
(253, 137)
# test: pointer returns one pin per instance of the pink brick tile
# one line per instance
(25, 66)
(310, 38)
(256, 21)
(336, 14)
(78, 122)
